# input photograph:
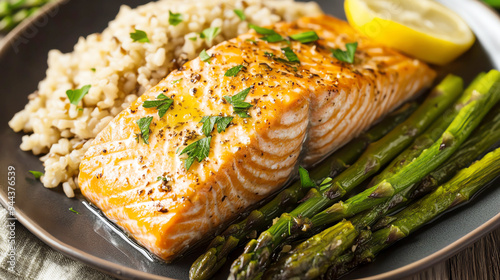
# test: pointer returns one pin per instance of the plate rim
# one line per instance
(123, 272)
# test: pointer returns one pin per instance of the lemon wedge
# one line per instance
(424, 29)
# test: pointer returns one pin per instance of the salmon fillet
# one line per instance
(301, 113)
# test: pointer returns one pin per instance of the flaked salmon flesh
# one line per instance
(301, 113)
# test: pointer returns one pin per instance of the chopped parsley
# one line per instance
(209, 123)
(92, 69)
(290, 55)
(271, 35)
(268, 54)
(76, 95)
(237, 101)
(233, 71)
(74, 211)
(273, 38)
(162, 104)
(144, 124)
(139, 36)
(348, 55)
(262, 30)
(174, 18)
(198, 150)
(161, 178)
(305, 180)
(37, 174)
(210, 33)
(176, 81)
(240, 14)
(305, 37)
(204, 56)
(193, 38)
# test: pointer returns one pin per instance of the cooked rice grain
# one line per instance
(124, 70)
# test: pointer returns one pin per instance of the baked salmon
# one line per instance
(291, 102)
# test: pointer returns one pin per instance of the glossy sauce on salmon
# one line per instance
(300, 113)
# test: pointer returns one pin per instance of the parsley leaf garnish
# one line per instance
(273, 38)
(144, 124)
(198, 150)
(290, 55)
(139, 36)
(268, 54)
(92, 69)
(348, 55)
(74, 211)
(174, 18)
(262, 30)
(233, 71)
(162, 103)
(240, 14)
(271, 35)
(210, 33)
(209, 123)
(305, 37)
(204, 56)
(161, 178)
(305, 180)
(176, 81)
(193, 38)
(37, 174)
(237, 101)
(76, 95)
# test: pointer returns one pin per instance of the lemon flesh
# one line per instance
(423, 29)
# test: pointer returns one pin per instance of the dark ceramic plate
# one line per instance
(90, 239)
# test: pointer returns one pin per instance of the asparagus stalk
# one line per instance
(483, 97)
(424, 141)
(215, 256)
(14, 12)
(313, 257)
(483, 138)
(256, 257)
(6, 24)
(457, 191)
(454, 192)
(304, 259)
(4, 9)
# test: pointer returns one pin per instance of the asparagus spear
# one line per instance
(483, 97)
(424, 141)
(14, 12)
(467, 182)
(313, 257)
(4, 9)
(484, 137)
(215, 256)
(6, 24)
(457, 191)
(256, 256)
